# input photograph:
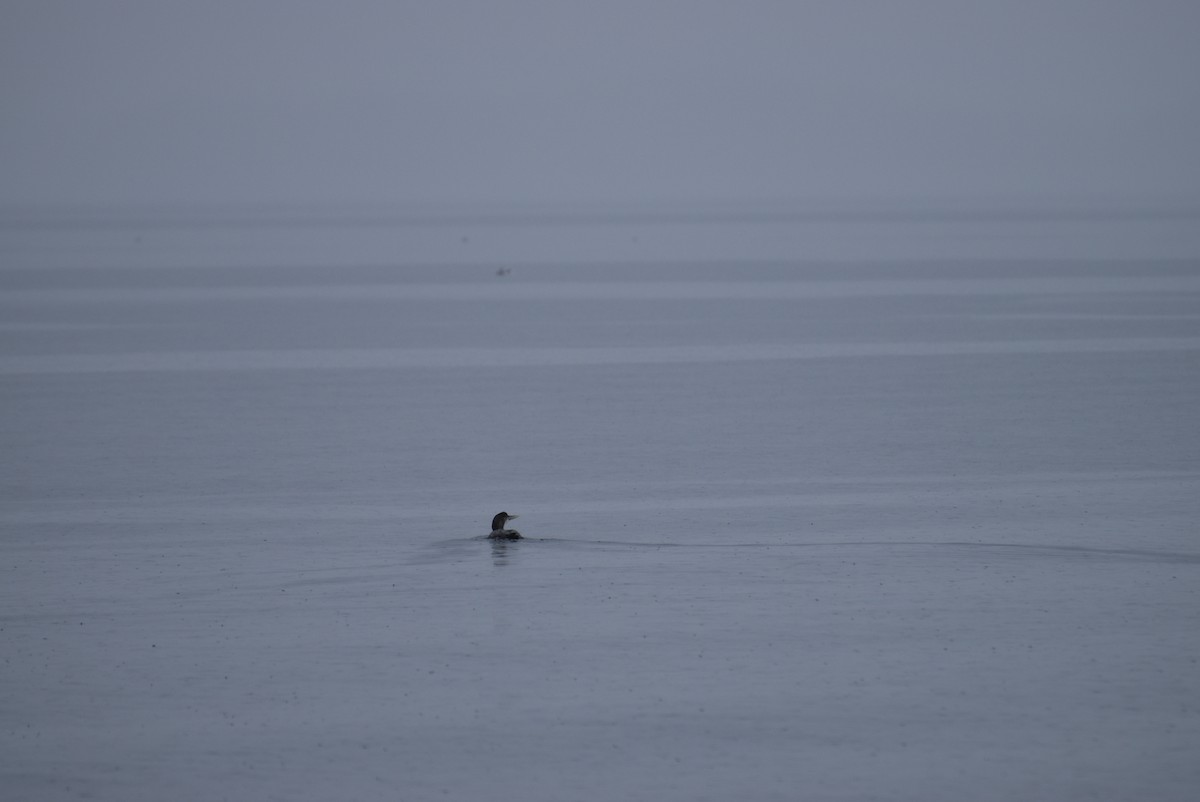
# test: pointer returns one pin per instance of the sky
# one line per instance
(293, 101)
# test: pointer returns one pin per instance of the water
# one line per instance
(909, 514)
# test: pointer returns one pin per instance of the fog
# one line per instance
(840, 359)
(134, 102)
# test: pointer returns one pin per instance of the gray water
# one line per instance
(906, 514)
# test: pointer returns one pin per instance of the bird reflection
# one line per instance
(500, 551)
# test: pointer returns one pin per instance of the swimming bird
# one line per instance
(498, 530)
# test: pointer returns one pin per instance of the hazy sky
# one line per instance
(289, 100)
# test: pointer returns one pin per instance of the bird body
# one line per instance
(498, 530)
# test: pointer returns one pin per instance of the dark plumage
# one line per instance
(498, 530)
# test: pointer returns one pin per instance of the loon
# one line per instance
(498, 530)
